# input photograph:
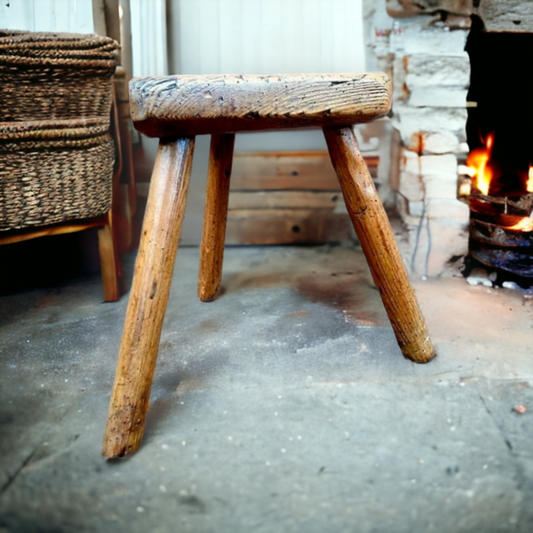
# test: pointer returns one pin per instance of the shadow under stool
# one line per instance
(176, 109)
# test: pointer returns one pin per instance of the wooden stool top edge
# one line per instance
(185, 106)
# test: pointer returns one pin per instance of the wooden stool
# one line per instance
(176, 109)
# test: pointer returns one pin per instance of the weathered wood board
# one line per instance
(288, 171)
(287, 197)
(286, 226)
(285, 200)
(185, 106)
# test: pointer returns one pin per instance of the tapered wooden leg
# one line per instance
(109, 261)
(215, 215)
(379, 246)
(148, 298)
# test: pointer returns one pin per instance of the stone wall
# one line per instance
(430, 70)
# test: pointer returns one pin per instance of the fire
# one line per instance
(477, 161)
(484, 170)
(526, 224)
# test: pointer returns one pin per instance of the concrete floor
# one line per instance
(284, 406)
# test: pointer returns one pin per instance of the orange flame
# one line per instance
(526, 224)
(529, 183)
(477, 161)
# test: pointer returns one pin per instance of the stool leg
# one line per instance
(377, 240)
(148, 298)
(215, 216)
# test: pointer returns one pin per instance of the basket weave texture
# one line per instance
(56, 154)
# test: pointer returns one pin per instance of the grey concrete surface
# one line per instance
(283, 406)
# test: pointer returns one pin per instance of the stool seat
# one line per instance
(176, 109)
(185, 106)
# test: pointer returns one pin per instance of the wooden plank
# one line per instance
(286, 226)
(310, 170)
(19, 235)
(185, 106)
(284, 200)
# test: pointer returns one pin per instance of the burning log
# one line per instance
(501, 212)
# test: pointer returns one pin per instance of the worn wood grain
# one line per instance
(285, 200)
(310, 170)
(215, 213)
(379, 246)
(148, 298)
(20, 235)
(286, 226)
(173, 106)
(109, 261)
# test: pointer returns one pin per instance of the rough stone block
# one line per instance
(437, 71)
(399, 90)
(411, 121)
(416, 209)
(415, 36)
(439, 164)
(410, 162)
(511, 16)
(440, 186)
(408, 8)
(449, 209)
(438, 97)
(434, 243)
(411, 187)
(438, 142)
(403, 205)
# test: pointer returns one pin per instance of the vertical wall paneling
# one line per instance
(311, 32)
(185, 26)
(272, 45)
(267, 36)
(209, 36)
(47, 15)
(149, 37)
(326, 42)
(231, 49)
(291, 42)
(251, 34)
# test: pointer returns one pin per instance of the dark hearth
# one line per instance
(500, 137)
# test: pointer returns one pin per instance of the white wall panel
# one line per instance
(267, 36)
(149, 37)
(47, 15)
(250, 31)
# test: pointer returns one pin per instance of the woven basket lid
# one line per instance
(33, 49)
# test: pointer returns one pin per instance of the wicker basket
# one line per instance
(56, 154)
(47, 76)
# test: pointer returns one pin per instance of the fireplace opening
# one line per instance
(500, 163)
